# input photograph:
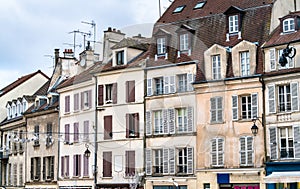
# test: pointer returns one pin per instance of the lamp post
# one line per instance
(87, 152)
(254, 129)
(289, 52)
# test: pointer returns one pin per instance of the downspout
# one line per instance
(95, 171)
(261, 79)
(295, 5)
(58, 145)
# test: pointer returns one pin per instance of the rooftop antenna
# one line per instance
(159, 6)
(52, 57)
(84, 35)
(93, 24)
(74, 42)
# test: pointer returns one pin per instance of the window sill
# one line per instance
(107, 177)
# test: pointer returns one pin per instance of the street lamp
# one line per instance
(87, 153)
(254, 128)
(289, 52)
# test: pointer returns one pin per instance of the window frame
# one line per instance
(120, 57)
(159, 86)
(178, 9)
(288, 25)
(183, 126)
(158, 161)
(182, 161)
(161, 46)
(287, 138)
(245, 63)
(216, 67)
(218, 111)
(247, 152)
(184, 42)
(220, 142)
(233, 24)
(158, 122)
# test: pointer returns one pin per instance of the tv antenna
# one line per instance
(80, 32)
(93, 25)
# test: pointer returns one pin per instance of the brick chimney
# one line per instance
(111, 37)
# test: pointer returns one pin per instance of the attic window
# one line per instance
(289, 25)
(179, 9)
(199, 5)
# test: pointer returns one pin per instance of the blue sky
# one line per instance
(32, 29)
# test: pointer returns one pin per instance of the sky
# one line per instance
(32, 29)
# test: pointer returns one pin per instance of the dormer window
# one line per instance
(288, 25)
(120, 57)
(184, 42)
(179, 9)
(24, 106)
(233, 24)
(245, 63)
(161, 45)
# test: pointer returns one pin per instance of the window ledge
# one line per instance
(288, 32)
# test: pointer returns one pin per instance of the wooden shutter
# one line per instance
(62, 168)
(67, 158)
(100, 95)
(149, 87)
(76, 132)
(294, 93)
(190, 119)
(165, 121)
(234, 107)
(82, 100)
(219, 109)
(249, 150)
(52, 167)
(148, 160)
(130, 163)
(130, 91)
(190, 80)
(165, 160)
(213, 111)
(273, 143)
(166, 85)
(32, 168)
(254, 106)
(89, 93)
(107, 164)
(271, 98)
(67, 104)
(115, 93)
(220, 151)
(172, 84)
(79, 164)
(272, 59)
(44, 168)
(148, 123)
(214, 152)
(38, 168)
(67, 133)
(74, 165)
(108, 127)
(171, 120)
(85, 166)
(137, 125)
(127, 125)
(190, 160)
(297, 141)
(86, 130)
(243, 150)
(76, 102)
(172, 166)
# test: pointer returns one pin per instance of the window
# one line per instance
(86, 131)
(182, 161)
(179, 9)
(24, 106)
(76, 102)
(100, 95)
(159, 86)
(48, 168)
(246, 151)
(107, 165)
(158, 122)
(158, 161)
(77, 165)
(245, 63)
(233, 24)
(15, 174)
(184, 42)
(206, 186)
(49, 134)
(290, 62)
(248, 106)
(86, 99)
(67, 133)
(216, 67)
(36, 135)
(65, 165)
(199, 5)
(85, 166)
(182, 83)
(161, 46)
(108, 127)
(288, 25)
(284, 96)
(67, 104)
(111, 93)
(120, 57)
(217, 152)
(21, 180)
(216, 109)
(76, 132)
(132, 125)
(286, 142)
(35, 170)
(182, 120)
(21, 144)
(130, 91)
(130, 163)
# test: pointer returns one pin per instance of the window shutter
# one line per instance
(190, 80)
(214, 152)
(165, 160)
(100, 95)
(148, 123)
(171, 119)
(85, 166)
(79, 165)
(130, 91)
(76, 132)
(90, 98)
(32, 168)
(67, 104)
(190, 119)
(108, 127)
(38, 168)
(107, 164)
(294, 92)
(148, 156)
(213, 109)
(67, 132)
(74, 165)
(234, 107)
(291, 61)
(190, 157)
(44, 168)
(297, 141)
(273, 143)
(137, 124)
(272, 59)
(172, 84)
(220, 151)
(166, 85)
(127, 125)
(271, 96)
(52, 167)
(172, 161)
(243, 150)
(220, 109)
(249, 150)
(82, 100)
(115, 93)
(76, 102)
(62, 169)
(254, 106)
(127, 91)
(86, 130)
(67, 165)
(165, 121)
(149, 87)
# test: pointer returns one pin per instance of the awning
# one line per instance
(283, 177)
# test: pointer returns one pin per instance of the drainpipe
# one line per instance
(261, 79)
(58, 146)
(295, 5)
(95, 137)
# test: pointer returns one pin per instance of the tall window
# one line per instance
(86, 130)
(216, 109)
(77, 165)
(284, 95)
(184, 42)
(161, 46)
(132, 125)
(130, 91)
(107, 164)
(216, 67)
(158, 161)
(159, 86)
(67, 104)
(76, 102)
(217, 152)
(108, 127)
(182, 120)
(158, 122)
(289, 25)
(21, 180)
(245, 63)
(85, 166)
(35, 168)
(49, 134)
(65, 163)
(248, 106)
(120, 57)
(233, 24)
(48, 168)
(246, 151)
(130, 163)
(182, 160)
(86, 99)
(111, 93)
(76, 132)
(15, 174)
(36, 135)
(182, 83)
(286, 142)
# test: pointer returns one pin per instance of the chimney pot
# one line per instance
(109, 29)
(114, 29)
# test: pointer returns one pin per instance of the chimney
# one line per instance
(56, 56)
(68, 53)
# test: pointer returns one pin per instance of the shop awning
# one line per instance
(283, 177)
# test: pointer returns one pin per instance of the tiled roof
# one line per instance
(43, 90)
(211, 7)
(20, 81)
(141, 44)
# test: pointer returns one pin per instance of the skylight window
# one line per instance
(199, 5)
(179, 9)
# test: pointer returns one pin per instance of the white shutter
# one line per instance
(148, 123)
(165, 121)
(172, 84)
(297, 141)
(254, 106)
(190, 80)
(271, 98)
(272, 59)
(249, 151)
(190, 119)
(220, 151)
(171, 119)
(213, 111)
(234, 107)
(165, 160)
(273, 143)
(149, 87)
(214, 152)
(294, 92)
(190, 157)
(172, 161)
(148, 156)
(291, 61)
(243, 150)
(166, 85)
(220, 109)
